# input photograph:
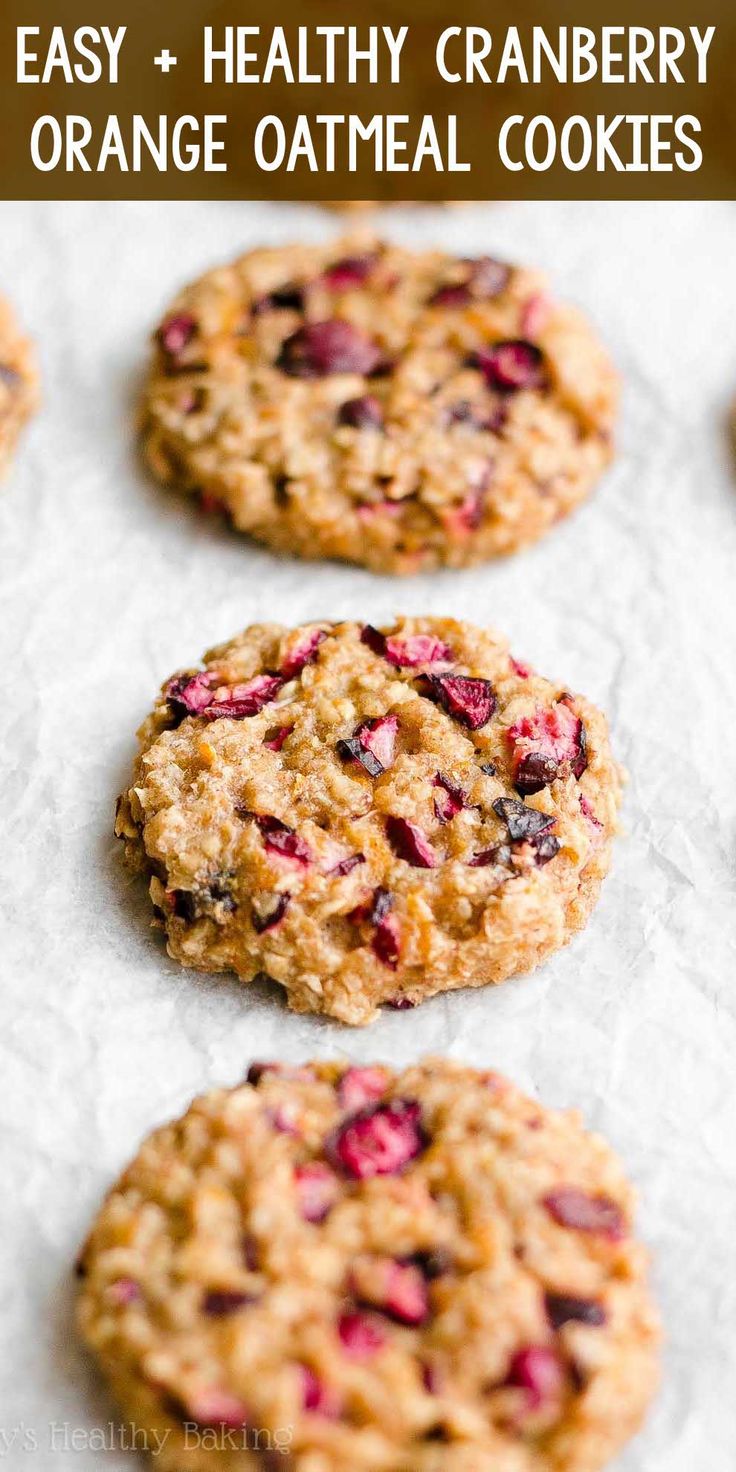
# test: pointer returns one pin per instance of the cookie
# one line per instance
(361, 401)
(330, 1268)
(370, 816)
(18, 383)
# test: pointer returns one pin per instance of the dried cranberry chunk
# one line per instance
(350, 271)
(387, 941)
(191, 694)
(266, 915)
(318, 1397)
(398, 1289)
(547, 745)
(360, 1086)
(469, 700)
(512, 365)
(410, 843)
(372, 744)
(453, 294)
(344, 866)
(537, 1370)
(416, 650)
(304, 652)
(524, 824)
(274, 740)
(279, 839)
(215, 1408)
(450, 799)
(365, 412)
(571, 1207)
(284, 298)
(219, 1302)
(176, 333)
(562, 1308)
(360, 1334)
(322, 348)
(317, 1190)
(245, 700)
(379, 1141)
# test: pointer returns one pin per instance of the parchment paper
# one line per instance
(107, 585)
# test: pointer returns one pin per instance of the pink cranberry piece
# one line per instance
(361, 1086)
(365, 412)
(538, 1371)
(470, 701)
(304, 652)
(349, 272)
(361, 1335)
(563, 1309)
(535, 314)
(345, 866)
(191, 694)
(450, 799)
(176, 333)
(451, 295)
(317, 1190)
(372, 744)
(322, 348)
(524, 824)
(410, 843)
(317, 1397)
(217, 1408)
(275, 740)
(545, 746)
(269, 912)
(279, 838)
(468, 516)
(219, 1302)
(416, 650)
(570, 1207)
(124, 1291)
(546, 848)
(245, 700)
(387, 941)
(379, 1141)
(398, 1289)
(512, 365)
(369, 509)
(522, 670)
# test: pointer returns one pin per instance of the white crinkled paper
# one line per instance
(107, 584)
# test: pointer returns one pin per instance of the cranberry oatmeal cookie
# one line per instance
(370, 816)
(362, 401)
(18, 383)
(330, 1268)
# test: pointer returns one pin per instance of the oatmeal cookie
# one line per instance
(18, 383)
(367, 402)
(330, 1268)
(370, 816)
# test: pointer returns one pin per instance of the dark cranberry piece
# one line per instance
(379, 1141)
(322, 348)
(401, 1004)
(365, 412)
(257, 1071)
(450, 799)
(351, 750)
(513, 365)
(345, 866)
(372, 744)
(546, 848)
(350, 271)
(360, 1334)
(538, 1371)
(524, 824)
(219, 1302)
(245, 700)
(191, 694)
(535, 771)
(317, 1190)
(546, 745)
(563, 1309)
(361, 1086)
(268, 913)
(387, 941)
(282, 840)
(410, 843)
(284, 298)
(302, 653)
(176, 333)
(451, 295)
(374, 909)
(275, 739)
(570, 1207)
(434, 1264)
(470, 701)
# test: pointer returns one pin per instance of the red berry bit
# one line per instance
(522, 670)
(317, 1397)
(361, 1086)
(245, 700)
(397, 1289)
(275, 739)
(349, 272)
(538, 1371)
(317, 1189)
(450, 799)
(410, 843)
(323, 348)
(562, 1309)
(284, 298)
(414, 652)
(361, 1335)
(547, 745)
(451, 296)
(217, 1408)
(189, 695)
(372, 744)
(570, 1207)
(176, 333)
(268, 911)
(589, 814)
(219, 1302)
(365, 412)
(467, 517)
(387, 941)
(512, 365)
(470, 701)
(279, 838)
(382, 1140)
(536, 314)
(124, 1291)
(344, 866)
(302, 653)
(527, 826)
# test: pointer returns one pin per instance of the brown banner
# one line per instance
(315, 99)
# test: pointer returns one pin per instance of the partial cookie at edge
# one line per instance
(19, 389)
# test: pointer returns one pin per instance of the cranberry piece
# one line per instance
(522, 670)
(189, 695)
(547, 745)
(571, 1207)
(500, 854)
(524, 824)
(450, 799)
(176, 333)
(372, 744)
(538, 1371)
(279, 838)
(387, 941)
(535, 314)
(365, 412)
(361, 1086)
(302, 653)
(267, 913)
(451, 295)
(217, 1408)
(124, 1291)
(374, 909)
(546, 848)
(317, 1190)
(512, 365)
(275, 740)
(416, 650)
(322, 348)
(399, 1290)
(219, 1302)
(284, 298)
(381, 1140)
(589, 814)
(345, 866)
(401, 1004)
(318, 1397)
(468, 516)
(245, 700)
(360, 1334)
(410, 843)
(562, 1308)
(470, 701)
(350, 271)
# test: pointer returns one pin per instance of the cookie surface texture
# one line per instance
(370, 816)
(397, 409)
(18, 383)
(330, 1268)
